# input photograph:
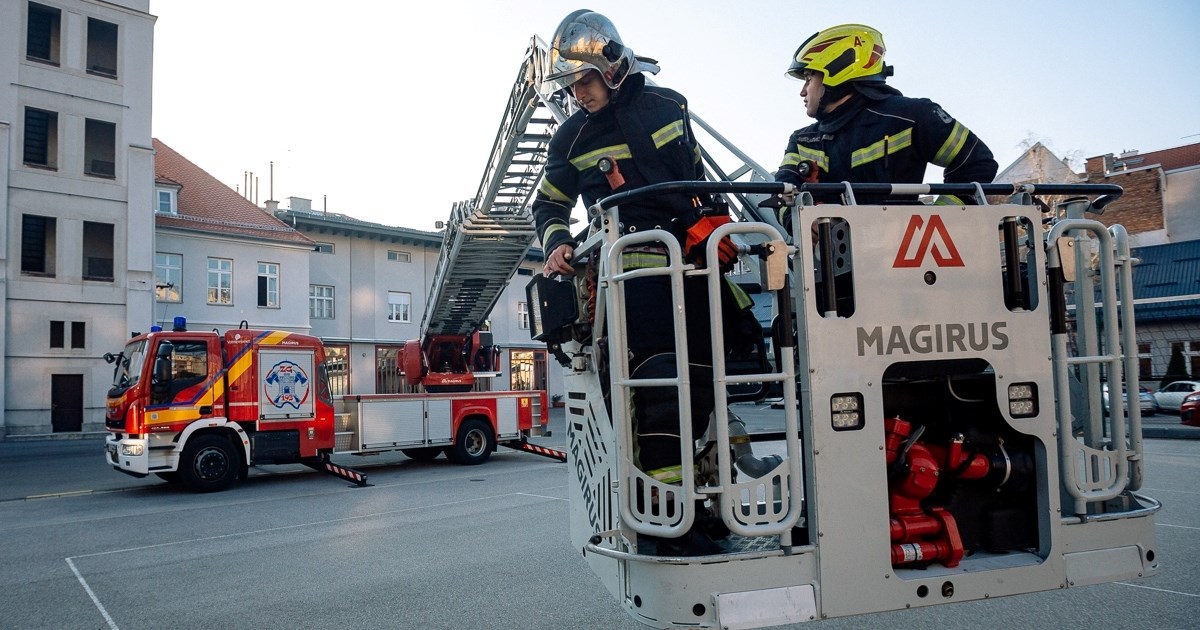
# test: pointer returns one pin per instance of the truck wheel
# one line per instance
(422, 454)
(209, 464)
(474, 445)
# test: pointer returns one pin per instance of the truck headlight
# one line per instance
(132, 450)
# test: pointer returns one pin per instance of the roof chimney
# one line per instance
(271, 205)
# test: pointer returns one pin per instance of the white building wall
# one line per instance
(71, 198)
(197, 247)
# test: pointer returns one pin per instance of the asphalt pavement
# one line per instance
(428, 545)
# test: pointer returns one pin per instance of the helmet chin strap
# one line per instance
(831, 95)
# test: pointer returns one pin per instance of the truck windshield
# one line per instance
(130, 367)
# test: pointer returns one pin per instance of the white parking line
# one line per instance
(95, 600)
(113, 625)
(1176, 526)
(1161, 590)
(542, 496)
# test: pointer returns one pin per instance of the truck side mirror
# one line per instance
(162, 368)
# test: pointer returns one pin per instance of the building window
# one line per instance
(102, 48)
(337, 364)
(41, 138)
(523, 315)
(324, 248)
(58, 333)
(168, 277)
(220, 281)
(268, 285)
(38, 248)
(100, 148)
(1145, 361)
(320, 301)
(168, 201)
(42, 33)
(97, 251)
(399, 306)
(388, 378)
(1192, 356)
(527, 370)
(397, 256)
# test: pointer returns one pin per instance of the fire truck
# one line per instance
(201, 407)
(930, 380)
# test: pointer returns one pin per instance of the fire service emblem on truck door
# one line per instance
(286, 384)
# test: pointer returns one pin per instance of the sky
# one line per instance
(386, 111)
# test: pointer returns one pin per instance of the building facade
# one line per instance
(368, 289)
(107, 232)
(1161, 210)
(219, 260)
(77, 172)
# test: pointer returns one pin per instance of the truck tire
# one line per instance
(474, 444)
(209, 464)
(424, 454)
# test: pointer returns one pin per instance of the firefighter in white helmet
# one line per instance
(644, 135)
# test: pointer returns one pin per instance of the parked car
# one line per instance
(1171, 397)
(1146, 401)
(1189, 411)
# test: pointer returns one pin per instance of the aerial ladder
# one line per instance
(938, 437)
(486, 239)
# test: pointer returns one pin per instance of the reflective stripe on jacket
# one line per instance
(647, 130)
(889, 141)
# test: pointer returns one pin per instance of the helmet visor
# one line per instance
(563, 73)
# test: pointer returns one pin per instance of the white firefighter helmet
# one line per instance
(586, 40)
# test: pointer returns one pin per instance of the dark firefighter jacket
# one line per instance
(889, 140)
(648, 131)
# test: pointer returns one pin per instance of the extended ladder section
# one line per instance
(487, 237)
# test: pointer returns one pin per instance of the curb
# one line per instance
(1171, 433)
(47, 437)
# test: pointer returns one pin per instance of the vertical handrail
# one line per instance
(1124, 268)
(771, 504)
(1090, 473)
(664, 509)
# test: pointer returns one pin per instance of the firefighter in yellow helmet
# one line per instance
(866, 131)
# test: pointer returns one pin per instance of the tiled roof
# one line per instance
(205, 204)
(1167, 271)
